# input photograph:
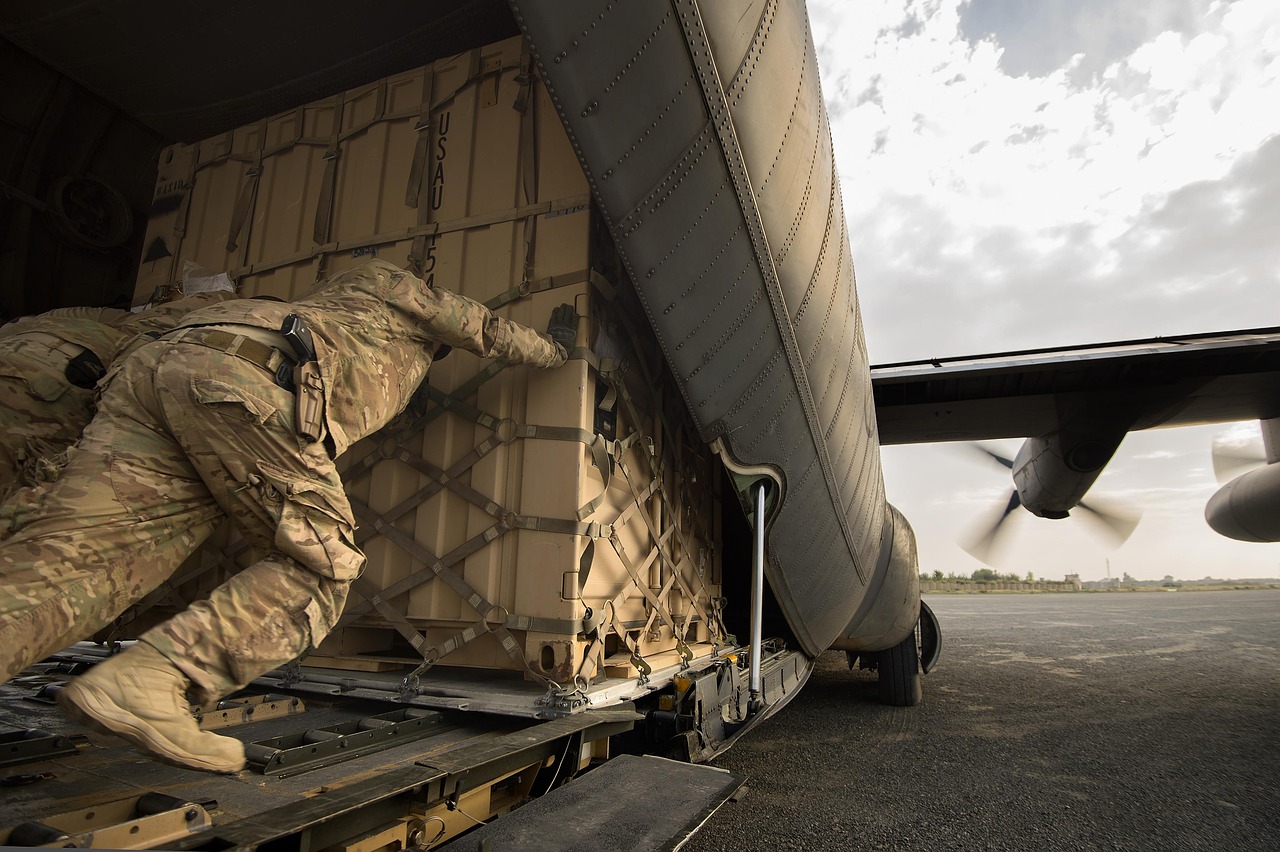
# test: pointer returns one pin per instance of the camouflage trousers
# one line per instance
(41, 414)
(184, 436)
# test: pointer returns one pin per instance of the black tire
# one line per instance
(899, 669)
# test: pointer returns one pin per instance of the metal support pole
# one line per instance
(757, 597)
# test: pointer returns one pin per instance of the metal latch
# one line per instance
(28, 745)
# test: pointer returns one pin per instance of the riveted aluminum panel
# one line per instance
(703, 134)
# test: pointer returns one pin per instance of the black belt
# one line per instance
(275, 361)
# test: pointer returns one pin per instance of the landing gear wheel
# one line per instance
(899, 669)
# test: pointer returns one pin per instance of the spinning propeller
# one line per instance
(1113, 521)
(1235, 454)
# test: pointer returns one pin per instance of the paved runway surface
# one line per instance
(1071, 721)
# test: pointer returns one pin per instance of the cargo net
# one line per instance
(649, 530)
(641, 586)
(643, 557)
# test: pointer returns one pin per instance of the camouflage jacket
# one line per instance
(106, 332)
(375, 330)
(28, 355)
(163, 317)
(95, 329)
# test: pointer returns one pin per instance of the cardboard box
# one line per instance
(510, 516)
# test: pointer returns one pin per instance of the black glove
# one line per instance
(563, 327)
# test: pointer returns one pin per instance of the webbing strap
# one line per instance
(625, 517)
(510, 520)
(244, 204)
(374, 524)
(482, 220)
(418, 166)
(660, 481)
(587, 671)
(329, 183)
(524, 80)
(441, 568)
(430, 403)
(666, 558)
(527, 287)
(640, 582)
(430, 103)
(328, 188)
(596, 444)
(657, 481)
(677, 632)
(601, 452)
(419, 178)
(528, 153)
(184, 207)
(453, 401)
(378, 114)
(379, 598)
(435, 566)
(630, 644)
(401, 624)
(450, 478)
(425, 128)
(629, 406)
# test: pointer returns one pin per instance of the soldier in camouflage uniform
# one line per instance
(193, 427)
(49, 365)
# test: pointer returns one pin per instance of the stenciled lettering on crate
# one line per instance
(557, 523)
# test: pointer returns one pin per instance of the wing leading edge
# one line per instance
(1165, 381)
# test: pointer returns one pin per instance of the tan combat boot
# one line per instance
(138, 695)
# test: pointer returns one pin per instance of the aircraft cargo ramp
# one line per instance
(338, 772)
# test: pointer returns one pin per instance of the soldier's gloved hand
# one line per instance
(563, 327)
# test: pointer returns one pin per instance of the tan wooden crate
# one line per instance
(509, 513)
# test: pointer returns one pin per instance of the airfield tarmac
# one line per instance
(1143, 720)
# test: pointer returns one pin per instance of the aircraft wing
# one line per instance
(1163, 381)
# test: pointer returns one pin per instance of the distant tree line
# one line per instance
(982, 575)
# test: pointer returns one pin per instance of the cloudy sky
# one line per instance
(1028, 173)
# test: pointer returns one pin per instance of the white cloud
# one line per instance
(1114, 175)
(1031, 183)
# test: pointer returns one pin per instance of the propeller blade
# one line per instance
(1234, 455)
(996, 457)
(1115, 521)
(982, 544)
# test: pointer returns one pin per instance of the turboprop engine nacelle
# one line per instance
(1248, 507)
(1052, 478)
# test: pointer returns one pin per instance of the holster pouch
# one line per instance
(85, 369)
(309, 401)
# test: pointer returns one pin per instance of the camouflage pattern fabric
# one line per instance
(186, 434)
(81, 326)
(381, 308)
(41, 413)
(164, 317)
